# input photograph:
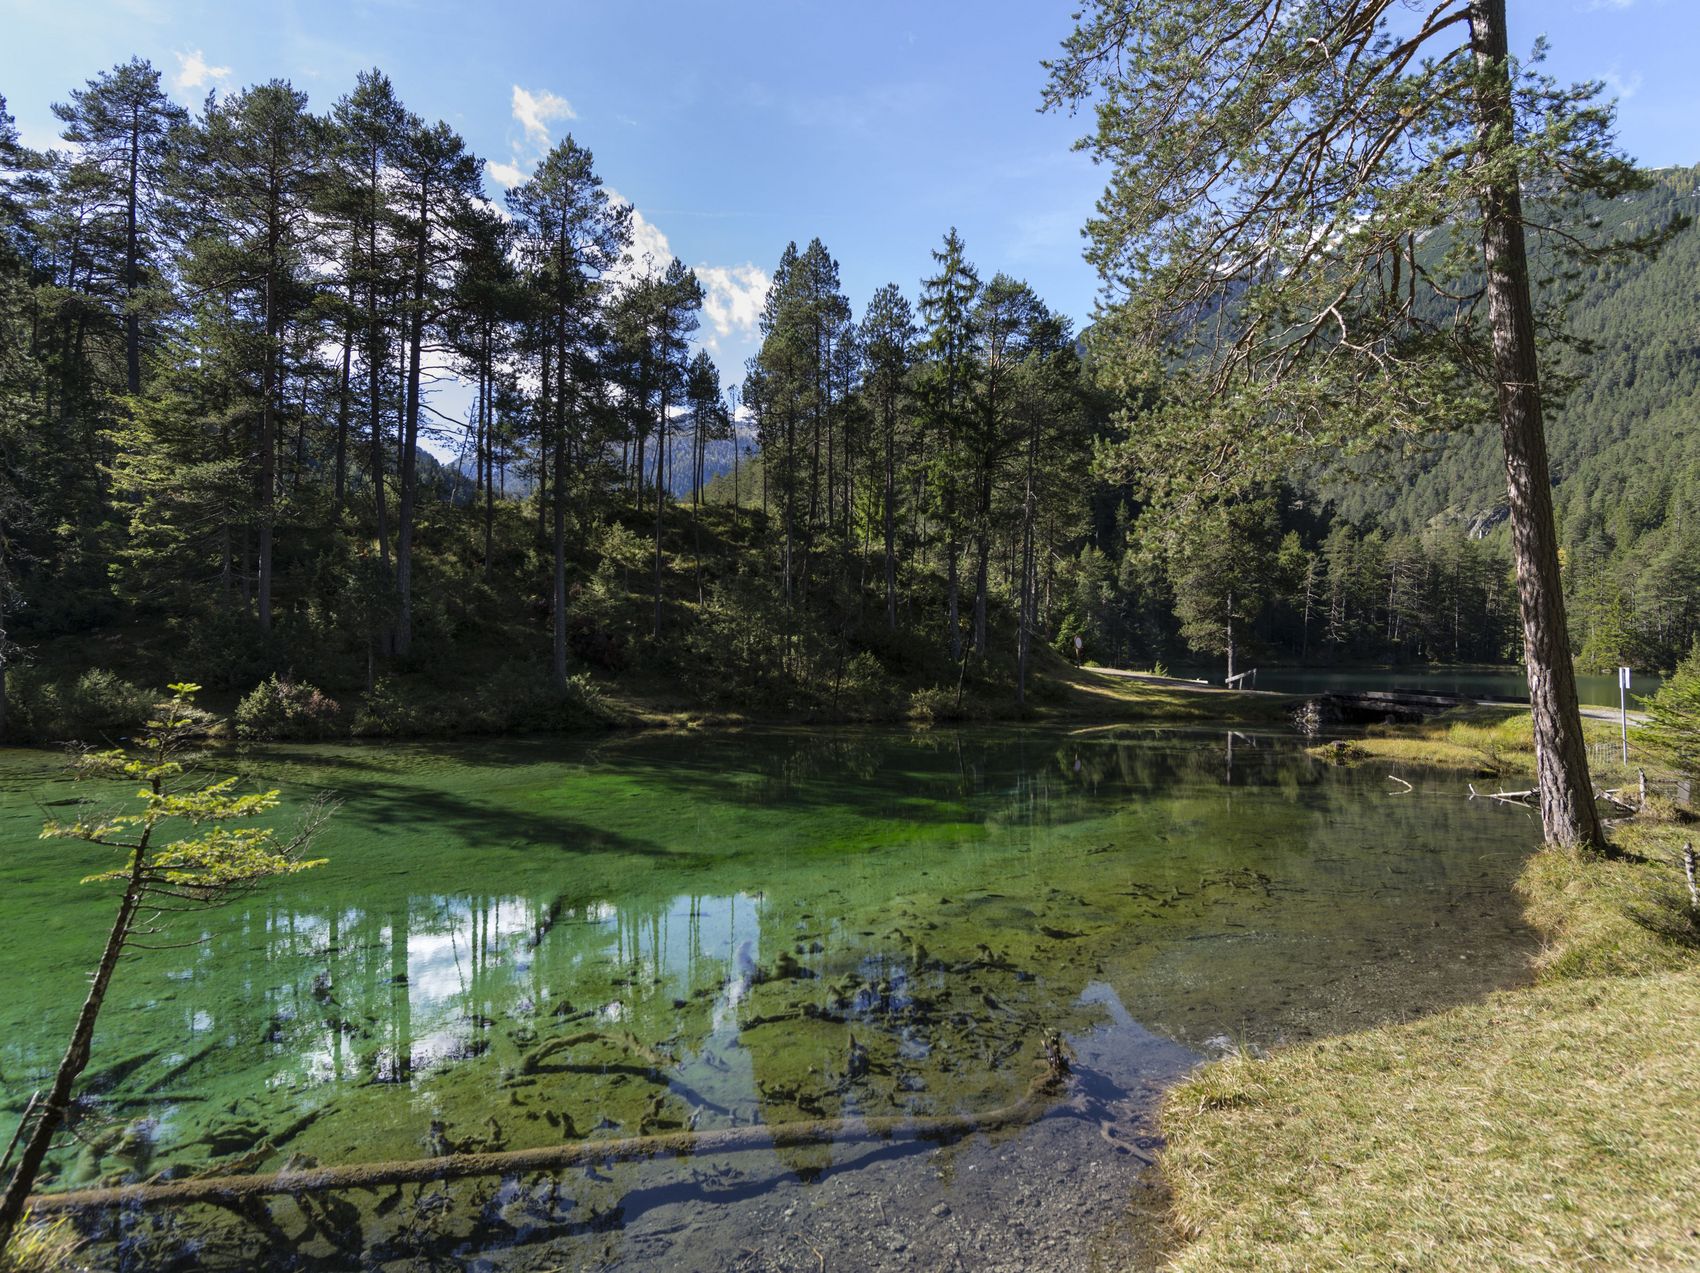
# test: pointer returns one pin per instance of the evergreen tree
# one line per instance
(947, 308)
(888, 334)
(571, 234)
(251, 167)
(120, 125)
(1273, 168)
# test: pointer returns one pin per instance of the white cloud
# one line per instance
(650, 251)
(510, 175)
(536, 111)
(193, 71)
(1622, 87)
(533, 112)
(733, 296)
(649, 244)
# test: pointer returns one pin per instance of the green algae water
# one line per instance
(517, 944)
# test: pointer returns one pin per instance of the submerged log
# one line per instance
(533, 1060)
(1045, 1089)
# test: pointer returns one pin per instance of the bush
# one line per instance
(518, 698)
(97, 705)
(1673, 717)
(388, 712)
(522, 699)
(278, 709)
(934, 703)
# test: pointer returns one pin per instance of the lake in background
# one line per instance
(1483, 682)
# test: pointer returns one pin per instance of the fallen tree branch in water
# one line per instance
(1045, 1089)
(1504, 797)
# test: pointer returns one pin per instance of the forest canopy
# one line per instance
(222, 451)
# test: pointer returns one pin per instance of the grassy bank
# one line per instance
(1484, 742)
(507, 698)
(1554, 1126)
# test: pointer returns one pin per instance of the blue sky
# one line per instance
(736, 126)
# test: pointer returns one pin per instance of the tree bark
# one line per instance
(408, 497)
(132, 323)
(268, 428)
(1568, 814)
(890, 517)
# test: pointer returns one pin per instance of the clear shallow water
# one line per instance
(743, 906)
(1508, 683)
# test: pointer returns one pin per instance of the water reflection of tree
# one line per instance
(1057, 860)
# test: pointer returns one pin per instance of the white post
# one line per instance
(1623, 708)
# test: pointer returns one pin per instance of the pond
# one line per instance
(520, 943)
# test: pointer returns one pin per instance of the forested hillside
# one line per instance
(1624, 443)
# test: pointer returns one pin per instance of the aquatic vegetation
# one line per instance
(520, 944)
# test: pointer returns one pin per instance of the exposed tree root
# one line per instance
(1042, 1093)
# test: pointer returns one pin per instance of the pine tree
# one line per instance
(251, 167)
(888, 334)
(121, 124)
(571, 233)
(947, 308)
(1274, 167)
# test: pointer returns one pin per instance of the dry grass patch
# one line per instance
(1551, 1128)
(45, 1246)
(1555, 1127)
(1484, 742)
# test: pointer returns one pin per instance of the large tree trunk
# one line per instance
(489, 460)
(132, 321)
(890, 517)
(268, 440)
(408, 496)
(1568, 813)
(559, 650)
(660, 488)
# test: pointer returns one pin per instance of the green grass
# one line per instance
(1551, 1127)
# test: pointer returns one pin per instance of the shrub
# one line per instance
(520, 698)
(279, 709)
(1673, 716)
(387, 712)
(98, 705)
(933, 703)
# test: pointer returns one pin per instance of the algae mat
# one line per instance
(520, 943)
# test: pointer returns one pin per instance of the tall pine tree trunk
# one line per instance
(132, 251)
(1568, 813)
(890, 517)
(268, 436)
(408, 496)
